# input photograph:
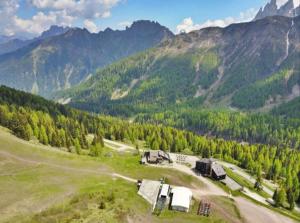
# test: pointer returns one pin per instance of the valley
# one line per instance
(107, 115)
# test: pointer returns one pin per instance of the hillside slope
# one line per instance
(65, 60)
(248, 66)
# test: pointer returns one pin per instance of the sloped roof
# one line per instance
(164, 190)
(218, 170)
(206, 160)
(181, 197)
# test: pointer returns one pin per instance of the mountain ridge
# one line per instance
(211, 66)
(13, 44)
(65, 60)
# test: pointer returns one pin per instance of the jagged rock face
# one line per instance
(289, 9)
(56, 63)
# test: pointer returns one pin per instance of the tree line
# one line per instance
(252, 128)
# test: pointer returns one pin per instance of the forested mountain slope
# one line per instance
(248, 66)
(34, 118)
(65, 60)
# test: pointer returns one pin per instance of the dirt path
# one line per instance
(117, 146)
(101, 170)
(247, 176)
(252, 213)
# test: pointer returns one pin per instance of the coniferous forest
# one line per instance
(34, 118)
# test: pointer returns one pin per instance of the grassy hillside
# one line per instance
(41, 184)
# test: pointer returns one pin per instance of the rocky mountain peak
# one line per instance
(54, 31)
(147, 27)
(291, 8)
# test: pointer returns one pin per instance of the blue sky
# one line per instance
(171, 12)
(30, 17)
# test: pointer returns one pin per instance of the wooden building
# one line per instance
(208, 167)
(217, 172)
(157, 156)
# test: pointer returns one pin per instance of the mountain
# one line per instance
(290, 9)
(251, 65)
(53, 31)
(51, 64)
(4, 39)
(13, 44)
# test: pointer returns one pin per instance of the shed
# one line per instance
(218, 173)
(164, 193)
(181, 199)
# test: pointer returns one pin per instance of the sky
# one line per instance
(28, 18)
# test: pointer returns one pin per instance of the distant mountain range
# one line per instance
(62, 58)
(290, 9)
(253, 65)
(10, 44)
(247, 66)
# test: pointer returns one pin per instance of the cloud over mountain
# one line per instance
(188, 25)
(52, 12)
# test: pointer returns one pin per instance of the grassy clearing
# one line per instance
(128, 164)
(106, 201)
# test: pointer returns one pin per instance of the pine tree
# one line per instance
(291, 199)
(280, 198)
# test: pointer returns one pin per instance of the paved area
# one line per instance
(252, 213)
(231, 184)
(245, 175)
(149, 191)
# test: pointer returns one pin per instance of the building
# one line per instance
(209, 167)
(164, 192)
(217, 172)
(157, 156)
(143, 160)
(181, 199)
(204, 166)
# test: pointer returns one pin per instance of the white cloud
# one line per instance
(52, 12)
(187, 25)
(91, 26)
(87, 9)
(8, 9)
(38, 23)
